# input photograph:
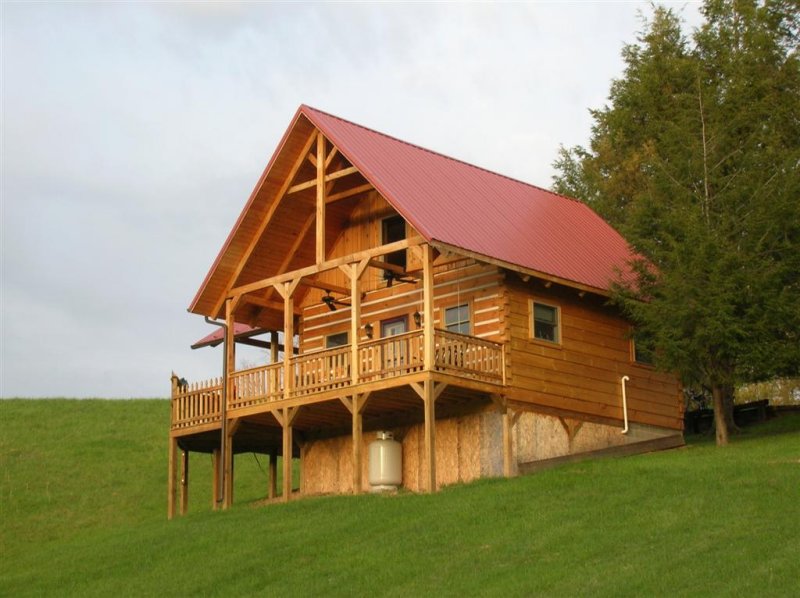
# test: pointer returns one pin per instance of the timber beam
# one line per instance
(325, 286)
(394, 268)
(348, 193)
(327, 178)
(326, 265)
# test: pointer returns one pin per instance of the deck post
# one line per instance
(357, 434)
(286, 290)
(230, 391)
(184, 482)
(427, 306)
(287, 457)
(227, 469)
(273, 475)
(173, 466)
(215, 464)
(508, 438)
(430, 433)
(355, 321)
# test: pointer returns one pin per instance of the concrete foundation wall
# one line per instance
(467, 448)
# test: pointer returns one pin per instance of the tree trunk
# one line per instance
(720, 420)
(729, 396)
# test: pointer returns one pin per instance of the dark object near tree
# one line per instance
(702, 420)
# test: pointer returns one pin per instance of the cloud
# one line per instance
(134, 133)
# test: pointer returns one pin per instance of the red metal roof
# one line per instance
(469, 207)
(216, 337)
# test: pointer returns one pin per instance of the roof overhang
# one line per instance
(522, 270)
(242, 334)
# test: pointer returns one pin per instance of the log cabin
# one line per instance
(397, 289)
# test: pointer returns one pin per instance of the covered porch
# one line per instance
(327, 397)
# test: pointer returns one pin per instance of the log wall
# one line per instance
(455, 283)
(582, 373)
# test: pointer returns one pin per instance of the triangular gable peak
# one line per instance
(455, 206)
(280, 228)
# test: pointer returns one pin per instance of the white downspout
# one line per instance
(625, 404)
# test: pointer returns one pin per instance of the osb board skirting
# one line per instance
(469, 446)
(465, 451)
(539, 436)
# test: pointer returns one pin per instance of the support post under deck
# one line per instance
(184, 482)
(172, 463)
(287, 458)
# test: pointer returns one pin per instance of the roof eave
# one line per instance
(521, 269)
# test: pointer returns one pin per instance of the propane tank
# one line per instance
(385, 463)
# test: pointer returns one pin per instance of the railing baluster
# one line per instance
(461, 355)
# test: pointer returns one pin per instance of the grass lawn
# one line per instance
(83, 512)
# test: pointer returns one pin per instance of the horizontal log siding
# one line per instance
(464, 281)
(582, 374)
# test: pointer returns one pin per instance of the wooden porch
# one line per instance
(390, 387)
(325, 375)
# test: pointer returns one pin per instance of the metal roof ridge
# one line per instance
(440, 154)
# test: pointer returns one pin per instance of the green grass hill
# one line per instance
(83, 512)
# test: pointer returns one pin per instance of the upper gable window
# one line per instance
(394, 229)
(545, 322)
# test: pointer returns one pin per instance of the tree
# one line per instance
(696, 160)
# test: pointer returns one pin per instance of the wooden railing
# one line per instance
(468, 356)
(322, 371)
(197, 404)
(391, 356)
(257, 385)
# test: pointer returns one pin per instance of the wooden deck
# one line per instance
(327, 374)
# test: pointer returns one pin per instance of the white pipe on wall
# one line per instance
(625, 404)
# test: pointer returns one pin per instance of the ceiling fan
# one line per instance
(331, 301)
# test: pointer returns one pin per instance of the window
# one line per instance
(395, 352)
(394, 326)
(545, 322)
(394, 229)
(456, 319)
(642, 348)
(336, 340)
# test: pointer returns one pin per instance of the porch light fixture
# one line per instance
(368, 329)
(417, 319)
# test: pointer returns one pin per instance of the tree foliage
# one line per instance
(696, 160)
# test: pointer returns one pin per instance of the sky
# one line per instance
(133, 134)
